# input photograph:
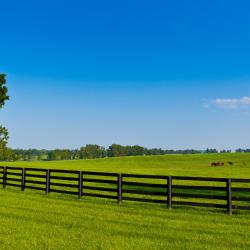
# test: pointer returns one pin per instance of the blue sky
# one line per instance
(171, 74)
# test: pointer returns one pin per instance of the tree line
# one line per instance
(93, 151)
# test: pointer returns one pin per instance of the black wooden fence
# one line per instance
(226, 193)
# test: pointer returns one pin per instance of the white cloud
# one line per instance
(232, 103)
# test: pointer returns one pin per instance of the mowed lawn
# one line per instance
(32, 220)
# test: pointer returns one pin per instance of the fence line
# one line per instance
(124, 185)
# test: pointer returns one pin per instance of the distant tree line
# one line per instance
(240, 150)
(93, 151)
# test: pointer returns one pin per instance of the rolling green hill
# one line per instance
(192, 165)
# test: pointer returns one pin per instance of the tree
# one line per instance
(59, 154)
(116, 150)
(91, 151)
(211, 151)
(4, 152)
(3, 90)
(4, 136)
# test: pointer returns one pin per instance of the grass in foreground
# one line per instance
(33, 221)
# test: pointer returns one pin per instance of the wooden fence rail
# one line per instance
(169, 190)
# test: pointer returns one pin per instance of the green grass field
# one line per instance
(187, 165)
(31, 220)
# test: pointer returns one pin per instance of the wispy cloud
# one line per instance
(232, 103)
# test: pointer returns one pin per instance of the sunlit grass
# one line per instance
(32, 220)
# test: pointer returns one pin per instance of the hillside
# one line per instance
(193, 165)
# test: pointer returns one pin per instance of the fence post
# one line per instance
(4, 176)
(47, 181)
(229, 197)
(80, 185)
(169, 198)
(23, 179)
(119, 188)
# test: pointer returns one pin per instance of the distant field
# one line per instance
(193, 165)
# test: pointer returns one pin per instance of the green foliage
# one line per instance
(92, 151)
(5, 153)
(3, 90)
(116, 150)
(30, 154)
(4, 136)
(59, 154)
(211, 151)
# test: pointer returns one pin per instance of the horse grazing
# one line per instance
(216, 164)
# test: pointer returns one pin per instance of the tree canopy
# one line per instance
(3, 90)
(4, 152)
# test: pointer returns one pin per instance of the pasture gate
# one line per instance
(226, 193)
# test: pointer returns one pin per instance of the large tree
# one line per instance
(3, 131)
(3, 90)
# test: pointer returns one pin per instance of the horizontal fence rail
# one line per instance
(224, 193)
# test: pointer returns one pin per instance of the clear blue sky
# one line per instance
(171, 74)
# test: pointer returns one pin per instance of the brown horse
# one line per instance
(217, 164)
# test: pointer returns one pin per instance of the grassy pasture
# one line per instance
(33, 220)
(186, 165)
